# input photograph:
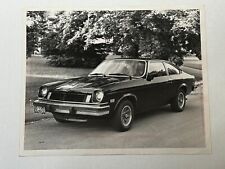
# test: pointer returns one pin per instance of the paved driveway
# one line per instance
(160, 128)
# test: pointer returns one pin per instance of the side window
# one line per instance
(171, 69)
(157, 68)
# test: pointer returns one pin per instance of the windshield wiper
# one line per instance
(97, 74)
(120, 74)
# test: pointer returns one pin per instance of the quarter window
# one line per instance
(157, 68)
(171, 69)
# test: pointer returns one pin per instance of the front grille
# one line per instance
(64, 96)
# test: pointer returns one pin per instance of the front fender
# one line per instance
(129, 96)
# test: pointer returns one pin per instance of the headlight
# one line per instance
(44, 91)
(99, 96)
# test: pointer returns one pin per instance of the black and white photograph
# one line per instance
(115, 82)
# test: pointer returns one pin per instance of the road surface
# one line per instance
(154, 129)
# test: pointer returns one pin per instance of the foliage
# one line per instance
(34, 30)
(84, 38)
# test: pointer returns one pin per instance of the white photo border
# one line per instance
(125, 151)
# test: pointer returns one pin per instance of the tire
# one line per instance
(60, 119)
(123, 117)
(179, 102)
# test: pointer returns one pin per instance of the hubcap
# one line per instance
(181, 100)
(126, 115)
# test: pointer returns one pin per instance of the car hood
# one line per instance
(89, 83)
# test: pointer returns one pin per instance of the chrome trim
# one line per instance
(74, 104)
(66, 111)
(92, 113)
(88, 98)
(70, 102)
(49, 95)
(77, 120)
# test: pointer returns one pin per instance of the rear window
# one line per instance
(171, 69)
(157, 67)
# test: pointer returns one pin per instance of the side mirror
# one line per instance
(151, 75)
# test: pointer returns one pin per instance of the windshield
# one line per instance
(118, 67)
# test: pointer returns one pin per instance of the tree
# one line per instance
(152, 34)
(186, 31)
(34, 30)
(84, 38)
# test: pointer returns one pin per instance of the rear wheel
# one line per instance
(178, 103)
(123, 118)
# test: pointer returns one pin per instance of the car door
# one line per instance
(156, 88)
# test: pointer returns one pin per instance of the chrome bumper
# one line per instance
(75, 108)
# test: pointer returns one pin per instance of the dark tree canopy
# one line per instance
(84, 38)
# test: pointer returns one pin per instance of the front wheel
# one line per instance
(178, 103)
(123, 118)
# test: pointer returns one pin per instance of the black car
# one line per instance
(117, 89)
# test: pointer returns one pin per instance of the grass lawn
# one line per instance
(193, 67)
(193, 64)
(32, 86)
(38, 66)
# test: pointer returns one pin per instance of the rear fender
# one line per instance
(183, 87)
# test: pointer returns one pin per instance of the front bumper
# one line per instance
(71, 108)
